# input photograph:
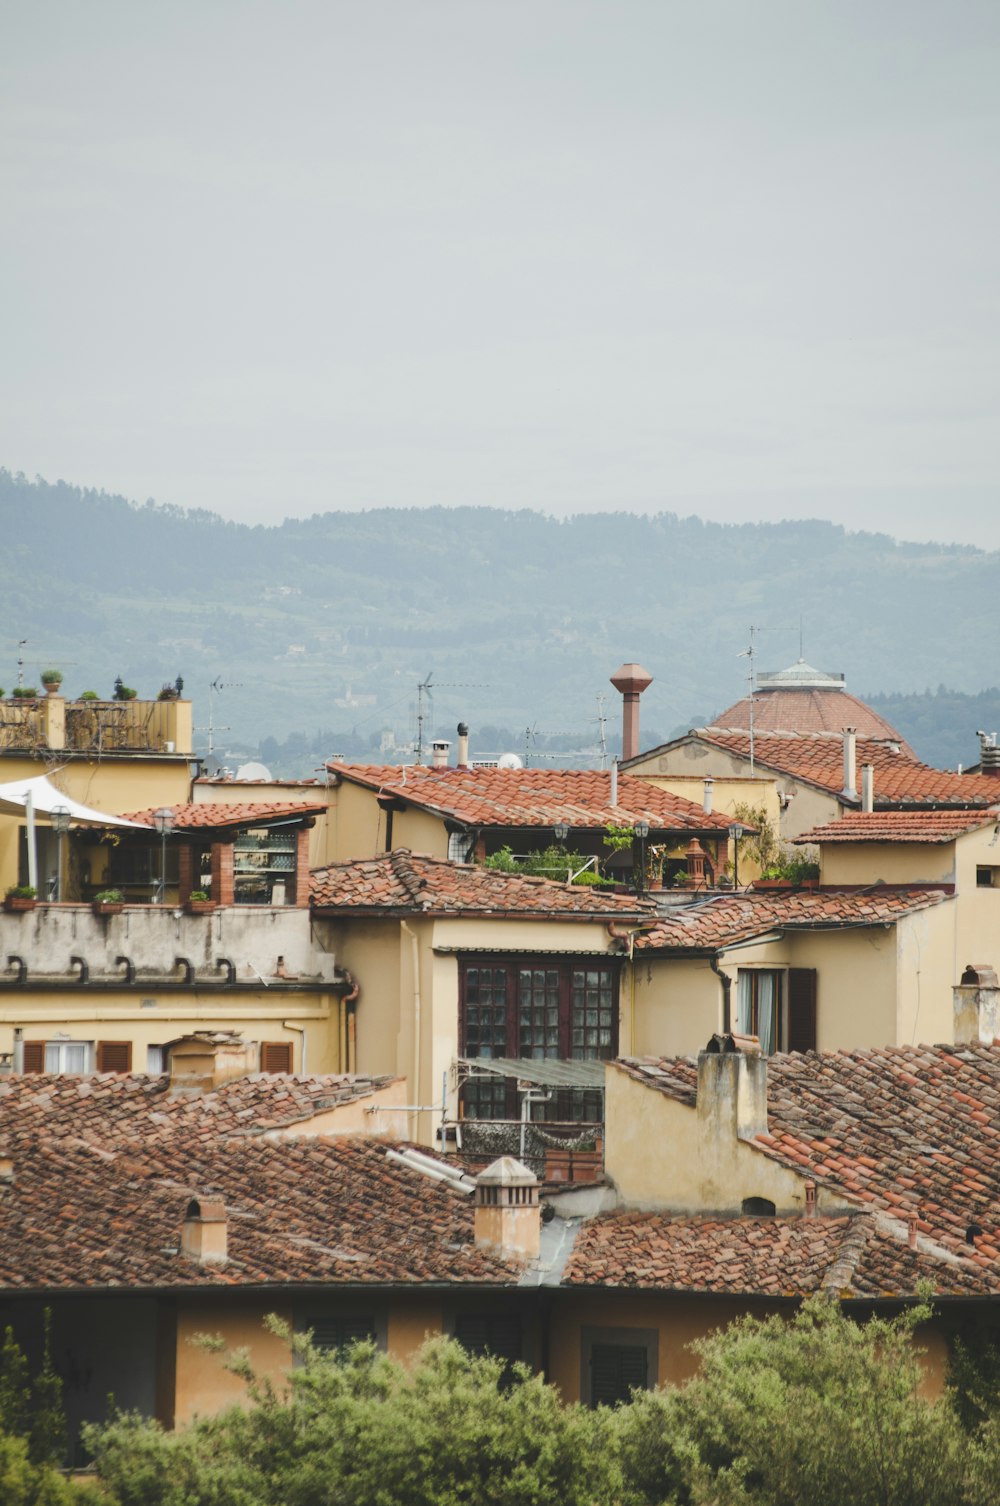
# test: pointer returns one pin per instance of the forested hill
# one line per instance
(528, 614)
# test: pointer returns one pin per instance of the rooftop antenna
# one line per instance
(218, 685)
(750, 654)
(22, 644)
(425, 692)
(530, 737)
(801, 655)
(602, 723)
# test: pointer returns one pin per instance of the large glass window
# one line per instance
(537, 1009)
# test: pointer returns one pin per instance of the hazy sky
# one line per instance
(733, 257)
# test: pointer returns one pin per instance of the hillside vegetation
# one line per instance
(520, 617)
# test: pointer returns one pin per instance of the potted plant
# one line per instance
(123, 692)
(51, 679)
(20, 897)
(88, 695)
(25, 692)
(199, 902)
(108, 902)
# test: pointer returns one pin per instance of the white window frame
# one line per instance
(57, 1051)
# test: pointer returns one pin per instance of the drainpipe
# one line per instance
(299, 1030)
(727, 984)
(348, 1007)
(415, 963)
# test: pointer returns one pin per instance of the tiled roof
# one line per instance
(720, 922)
(101, 1109)
(818, 758)
(900, 826)
(321, 1211)
(768, 1257)
(907, 1131)
(517, 798)
(213, 816)
(402, 880)
(813, 709)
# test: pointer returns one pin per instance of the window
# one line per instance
(778, 1007)
(155, 1064)
(987, 877)
(758, 1207)
(539, 1009)
(69, 1056)
(114, 1056)
(335, 1331)
(758, 1004)
(275, 1056)
(499, 1334)
(617, 1361)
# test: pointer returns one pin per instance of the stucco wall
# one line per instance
(358, 826)
(890, 862)
(808, 806)
(678, 1005)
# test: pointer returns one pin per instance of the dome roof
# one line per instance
(803, 699)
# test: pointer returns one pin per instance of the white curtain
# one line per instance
(744, 1006)
(766, 993)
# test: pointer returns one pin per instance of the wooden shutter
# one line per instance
(802, 1009)
(616, 1370)
(498, 1334)
(34, 1056)
(114, 1056)
(275, 1056)
(333, 1333)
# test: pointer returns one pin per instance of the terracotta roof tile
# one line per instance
(519, 798)
(213, 816)
(721, 921)
(905, 1129)
(402, 880)
(818, 759)
(900, 826)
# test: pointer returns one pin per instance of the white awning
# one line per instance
(45, 798)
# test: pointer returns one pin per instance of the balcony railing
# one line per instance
(97, 727)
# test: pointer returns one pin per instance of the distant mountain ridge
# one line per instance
(520, 617)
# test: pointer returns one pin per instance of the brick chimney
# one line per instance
(977, 1006)
(631, 680)
(508, 1219)
(204, 1236)
(732, 1089)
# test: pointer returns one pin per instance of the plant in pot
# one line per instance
(88, 695)
(20, 897)
(25, 692)
(123, 692)
(199, 902)
(51, 679)
(108, 902)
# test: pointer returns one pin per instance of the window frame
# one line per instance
(593, 1336)
(516, 1009)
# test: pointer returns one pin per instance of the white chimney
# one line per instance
(439, 754)
(850, 790)
(732, 1089)
(508, 1219)
(706, 798)
(204, 1235)
(868, 787)
(463, 745)
(976, 1002)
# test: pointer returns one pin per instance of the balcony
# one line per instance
(96, 727)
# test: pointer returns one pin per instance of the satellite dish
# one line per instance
(257, 773)
(509, 761)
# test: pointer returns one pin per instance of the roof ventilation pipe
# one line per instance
(463, 745)
(439, 754)
(631, 680)
(868, 787)
(706, 799)
(850, 790)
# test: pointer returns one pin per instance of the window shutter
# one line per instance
(802, 1009)
(498, 1334)
(114, 1056)
(615, 1371)
(34, 1056)
(275, 1056)
(333, 1333)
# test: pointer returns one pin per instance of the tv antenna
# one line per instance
(21, 646)
(218, 685)
(750, 655)
(602, 722)
(425, 704)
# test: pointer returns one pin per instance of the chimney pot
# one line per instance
(463, 745)
(631, 680)
(868, 787)
(439, 754)
(507, 1215)
(976, 1006)
(204, 1234)
(850, 790)
(732, 1089)
(706, 798)
(810, 1199)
